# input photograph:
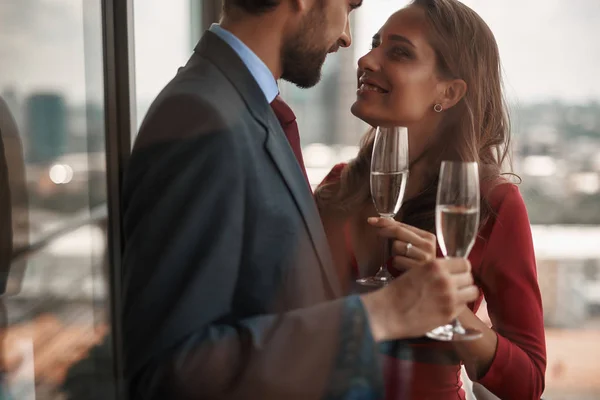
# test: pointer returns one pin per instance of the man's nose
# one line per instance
(346, 36)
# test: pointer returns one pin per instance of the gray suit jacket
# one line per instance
(229, 287)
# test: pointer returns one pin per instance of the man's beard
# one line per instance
(302, 58)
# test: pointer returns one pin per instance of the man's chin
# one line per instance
(303, 68)
(303, 81)
(308, 84)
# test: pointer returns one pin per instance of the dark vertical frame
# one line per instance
(119, 103)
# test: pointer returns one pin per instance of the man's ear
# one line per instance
(452, 92)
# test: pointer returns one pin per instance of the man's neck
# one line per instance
(263, 38)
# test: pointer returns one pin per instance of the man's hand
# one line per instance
(421, 299)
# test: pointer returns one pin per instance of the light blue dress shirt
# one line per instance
(261, 73)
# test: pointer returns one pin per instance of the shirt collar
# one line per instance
(261, 73)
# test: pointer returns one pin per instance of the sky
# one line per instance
(549, 48)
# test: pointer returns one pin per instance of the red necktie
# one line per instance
(287, 119)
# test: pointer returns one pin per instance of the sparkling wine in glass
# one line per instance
(457, 222)
(389, 175)
(458, 227)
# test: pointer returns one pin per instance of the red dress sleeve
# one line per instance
(508, 278)
(335, 175)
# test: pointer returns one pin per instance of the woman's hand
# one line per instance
(412, 247)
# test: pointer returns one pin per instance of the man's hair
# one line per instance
(250, 6)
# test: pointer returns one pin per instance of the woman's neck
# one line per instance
(420, 171)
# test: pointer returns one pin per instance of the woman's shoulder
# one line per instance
(334, 175)
(504, 195)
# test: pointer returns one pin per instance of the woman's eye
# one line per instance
(374, 44)
(400, 53)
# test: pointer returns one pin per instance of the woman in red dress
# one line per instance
(434, 67)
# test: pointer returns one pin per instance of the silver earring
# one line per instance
(438, 108)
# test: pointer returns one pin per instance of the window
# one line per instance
(54, 316)
(55, 330)
(550, 66)
(165, 35)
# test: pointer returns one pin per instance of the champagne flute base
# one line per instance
(450, 333)
(374, 281)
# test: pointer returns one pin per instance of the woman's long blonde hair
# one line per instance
(475, 129)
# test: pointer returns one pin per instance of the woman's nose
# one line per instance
(368, 62)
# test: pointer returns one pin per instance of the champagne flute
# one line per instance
(389, 174)
(457, 223)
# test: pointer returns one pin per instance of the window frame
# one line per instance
(119, 108)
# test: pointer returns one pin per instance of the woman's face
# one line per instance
(398, 83)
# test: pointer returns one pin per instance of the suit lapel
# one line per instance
(276, 145)
(282, 155)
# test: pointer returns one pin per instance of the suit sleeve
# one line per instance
(510, 286)
(184, 229)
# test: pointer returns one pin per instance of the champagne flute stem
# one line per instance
(383, 272)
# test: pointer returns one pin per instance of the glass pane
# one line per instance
(550, 62)
(164, 40)
(55, 312)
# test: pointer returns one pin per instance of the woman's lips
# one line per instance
(366, 87)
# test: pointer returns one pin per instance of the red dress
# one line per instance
(504, 269)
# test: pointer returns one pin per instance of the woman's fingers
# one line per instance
(384, 222)
(409, 250)
(403, 263)
(395, 230)
(407, 242)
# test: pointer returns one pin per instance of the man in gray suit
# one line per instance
(229, 286)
